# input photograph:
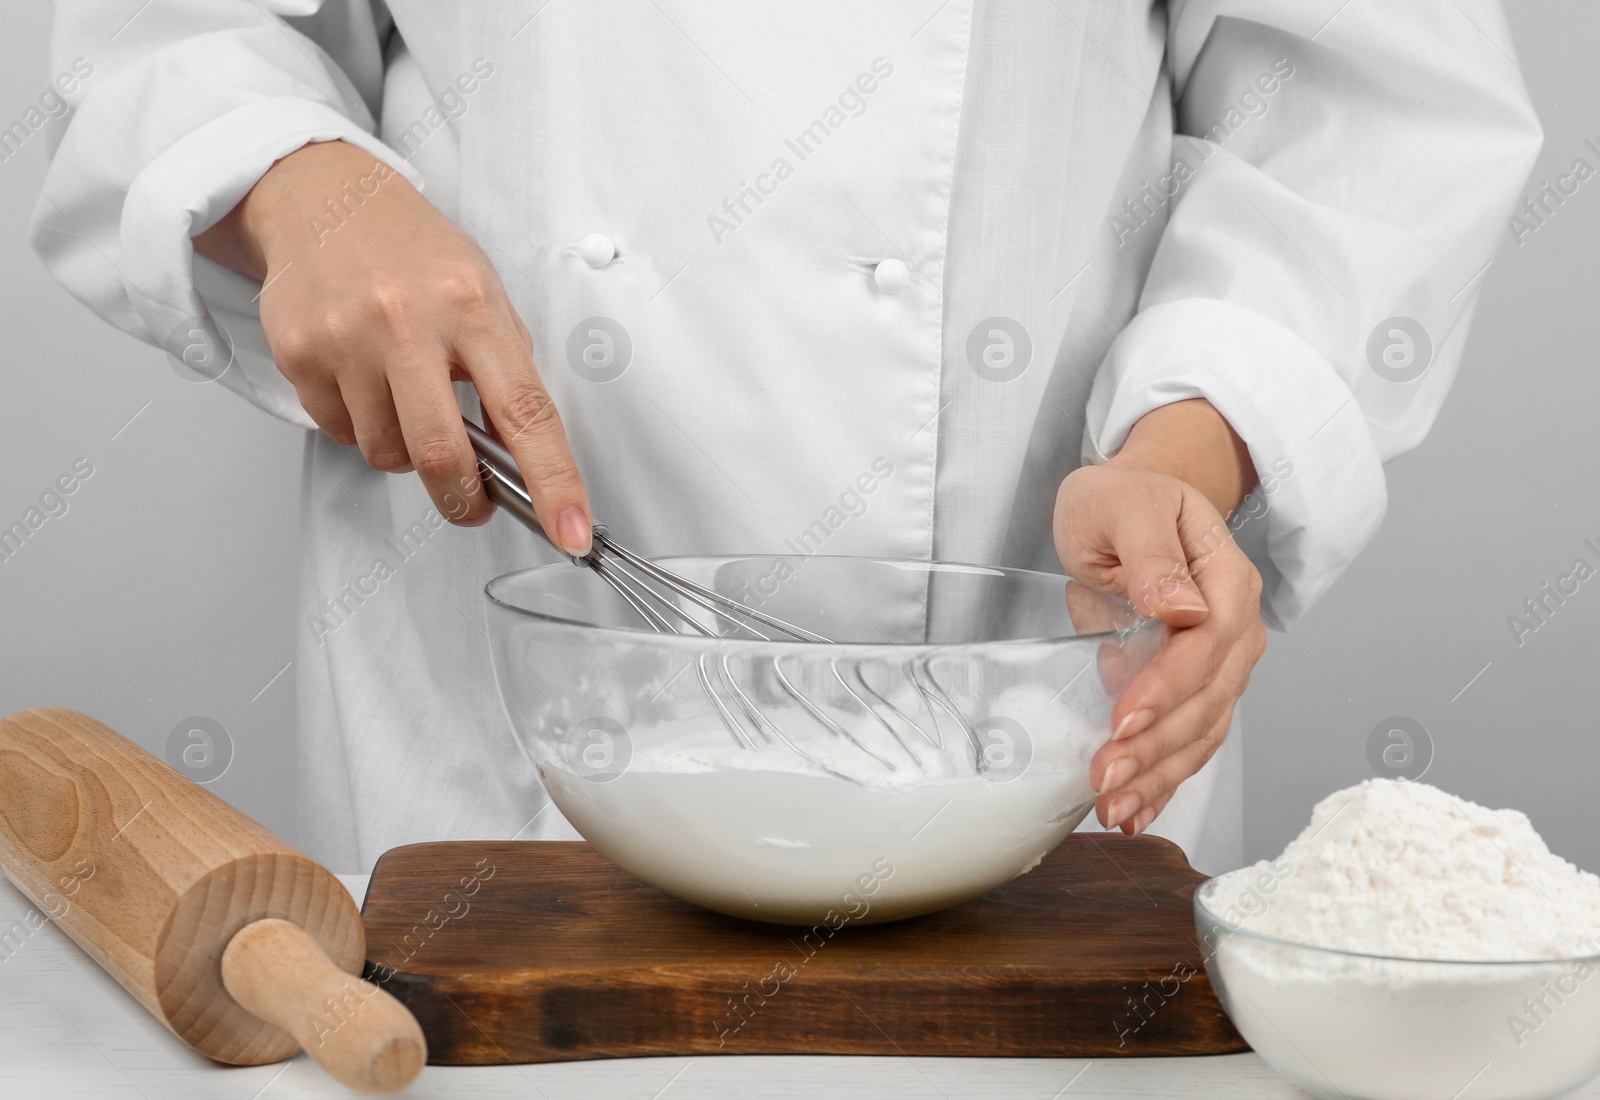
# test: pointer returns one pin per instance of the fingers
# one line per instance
(1138, 805)
(1146, 817)
(1208, 545)
(325, 405)
(1155, 565)
(1159, 541)
(1192, 658)
(372, 414)
(432, 435)
(1175, 714)
(299, 356)
(1149, 791)
(522, 332)
(1136, 773)
(372, 328)
(515, 399)
(1093, 612)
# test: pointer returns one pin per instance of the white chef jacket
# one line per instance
(1102, 207)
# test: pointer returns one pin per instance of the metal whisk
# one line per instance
(655, 593)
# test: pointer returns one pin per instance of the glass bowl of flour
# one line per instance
(1411, 945)
(938, 747)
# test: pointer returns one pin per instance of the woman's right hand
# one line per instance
(373, 303)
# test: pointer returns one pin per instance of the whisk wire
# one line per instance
(639, 593)
(640, 582)
(624, 587)
(740, 738)
(714, 602)
(821, 715)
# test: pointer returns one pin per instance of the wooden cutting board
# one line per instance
(541, 951)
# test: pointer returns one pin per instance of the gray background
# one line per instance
(168, 589)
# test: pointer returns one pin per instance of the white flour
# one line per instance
(1404, 869)
(1396, 868)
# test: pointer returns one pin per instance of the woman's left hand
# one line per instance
(1149, 526)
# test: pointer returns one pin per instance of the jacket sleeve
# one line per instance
(1341, 182)
(186, 104)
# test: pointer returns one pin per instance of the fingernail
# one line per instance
(575, 532)
(1118, 773)
(1137, 721)
(1142, 822)
(1122, 807)
(1186, 600)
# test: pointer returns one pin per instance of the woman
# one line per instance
(1068, 282)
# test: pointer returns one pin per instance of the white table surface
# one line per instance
(67, 1030)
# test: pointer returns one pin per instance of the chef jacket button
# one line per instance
(597, 250)
(891, 276)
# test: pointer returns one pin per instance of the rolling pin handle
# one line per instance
(359, 1034)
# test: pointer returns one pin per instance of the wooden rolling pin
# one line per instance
(243, 946)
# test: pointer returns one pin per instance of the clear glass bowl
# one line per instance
(937, 748)
(1348, 1026)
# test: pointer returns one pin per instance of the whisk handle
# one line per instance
(501, 481)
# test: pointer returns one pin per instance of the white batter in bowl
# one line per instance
(870, 798)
